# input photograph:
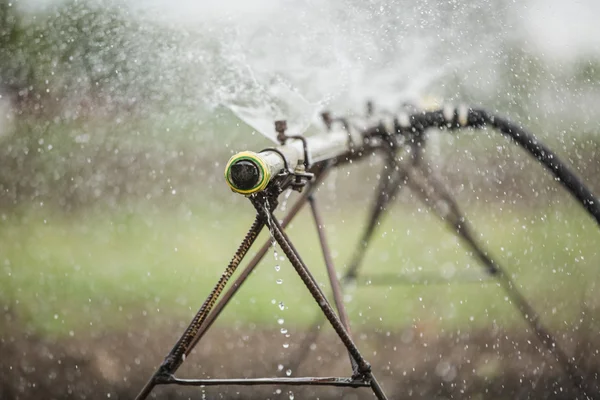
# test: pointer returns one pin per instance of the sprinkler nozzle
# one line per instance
(246, 173)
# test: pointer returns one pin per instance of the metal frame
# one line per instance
(429, 190)
(264, 204)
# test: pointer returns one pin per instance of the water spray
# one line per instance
(302, 164)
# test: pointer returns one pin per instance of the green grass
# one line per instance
(106, 270)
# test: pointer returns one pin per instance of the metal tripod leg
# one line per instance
(185, 343)
(387, 191)
(364, 369)
(333, 280)
(390, 183)
(431, 190)
(433, 194)
(391, 180)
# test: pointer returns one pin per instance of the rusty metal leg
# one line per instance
(435, 195)
(364, 368)
(432, 192)
(333, 279)
(390, 183)
(185, 343)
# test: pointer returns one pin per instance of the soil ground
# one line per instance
(411, 363)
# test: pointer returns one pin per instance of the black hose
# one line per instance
(477, 118)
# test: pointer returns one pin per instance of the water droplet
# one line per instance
(279, 282)
(291, 395)
(281, 305)
(286, 345)
(288, 372)
(280, 321)
(277, 268)
(280, 367)
(283, 330)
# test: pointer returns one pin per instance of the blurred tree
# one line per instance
(17, 69)
(78, 57)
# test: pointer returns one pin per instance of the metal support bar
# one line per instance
(303, 381)
(431, 192)
(333, 280)
(390, 183)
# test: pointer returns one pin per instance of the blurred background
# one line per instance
(116, 121)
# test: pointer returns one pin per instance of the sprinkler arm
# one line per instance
(249, 172)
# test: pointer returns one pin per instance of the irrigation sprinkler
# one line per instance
(302, 164)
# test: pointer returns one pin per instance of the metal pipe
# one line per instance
(249, 172)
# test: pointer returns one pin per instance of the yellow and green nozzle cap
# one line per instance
(247, 173)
